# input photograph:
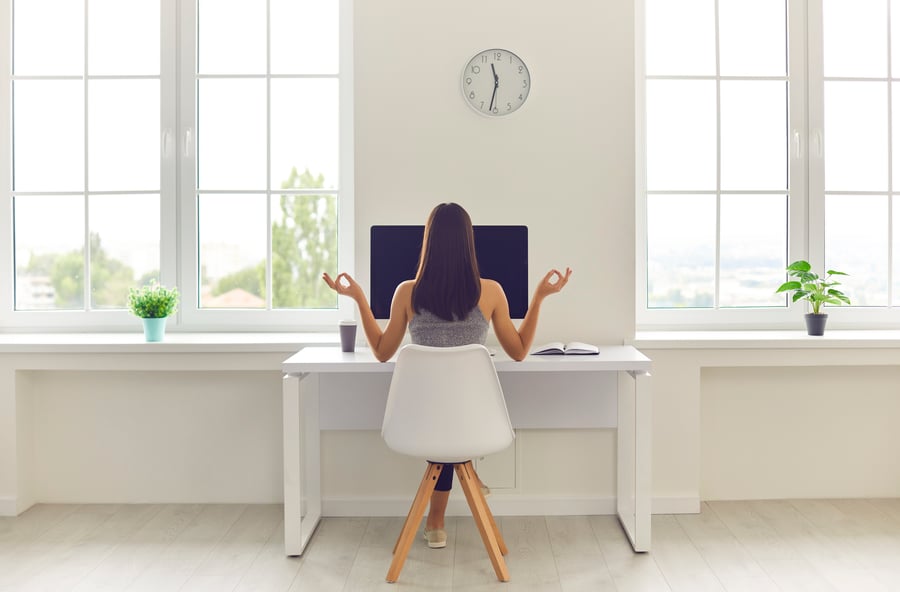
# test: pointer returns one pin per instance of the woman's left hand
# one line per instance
(548, 286)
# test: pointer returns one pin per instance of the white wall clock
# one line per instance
(495, 82)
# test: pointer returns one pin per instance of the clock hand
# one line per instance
(496, 84)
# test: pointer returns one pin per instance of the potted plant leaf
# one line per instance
(816, 290)
(153, 303)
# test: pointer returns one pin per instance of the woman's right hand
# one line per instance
(344, 285)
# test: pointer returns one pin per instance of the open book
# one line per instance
(571, 348)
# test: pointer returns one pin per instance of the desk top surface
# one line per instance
(333, 360)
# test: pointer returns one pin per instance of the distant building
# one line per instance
(236, 298)
(34, 292)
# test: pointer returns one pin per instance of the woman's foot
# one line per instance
(485, 490)
(436, 537)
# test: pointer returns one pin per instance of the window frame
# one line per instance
(178, 235)
(806, 215)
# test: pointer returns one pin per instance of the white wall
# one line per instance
(766, 423)
(149, 436)
(563, 165)
(800, 432)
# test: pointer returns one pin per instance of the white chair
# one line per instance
(445, 405)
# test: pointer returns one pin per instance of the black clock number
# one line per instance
(508, 106)
(472, 95)
(468, 80)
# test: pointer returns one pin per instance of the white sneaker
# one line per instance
(436, 538)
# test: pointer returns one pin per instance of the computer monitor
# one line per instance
(502, 253)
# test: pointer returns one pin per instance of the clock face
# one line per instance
(496, 82)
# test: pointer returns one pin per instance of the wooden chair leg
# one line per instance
(500, 542)
(420, 490)
(411, 525)
(483, 519)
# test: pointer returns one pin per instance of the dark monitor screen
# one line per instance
(502, 253)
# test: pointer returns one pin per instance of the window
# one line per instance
(202, 144)
(766, 129)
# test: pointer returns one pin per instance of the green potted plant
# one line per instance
(816, 290)
(153, 303)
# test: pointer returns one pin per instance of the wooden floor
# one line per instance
(818, 545)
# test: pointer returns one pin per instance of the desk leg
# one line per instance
(634, 461)
(302, 471)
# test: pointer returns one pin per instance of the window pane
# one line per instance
(681, 134)
(48, 37)
(231, 37)
(304, 244)
(681, 251)
(232, 239)
(48, 135)
(754, 134)
(304, 36)
(124, 37)
(681, 37)
(123, 135)
(856, 127)
(305, 129)
(231, 134)
(125, 234)
(855, 38)
(49, 252)
(757, 24)
(856, 242)
(753, 250)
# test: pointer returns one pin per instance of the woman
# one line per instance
(447, 304)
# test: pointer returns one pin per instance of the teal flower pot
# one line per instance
(154, 329)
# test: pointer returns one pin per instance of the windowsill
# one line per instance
(177, 342)
(833, 339)
(174, 342)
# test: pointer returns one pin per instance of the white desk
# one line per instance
(302, 483)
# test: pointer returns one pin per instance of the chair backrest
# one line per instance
(445, 404)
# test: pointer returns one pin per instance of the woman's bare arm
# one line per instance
(384, 344)
(517, 342)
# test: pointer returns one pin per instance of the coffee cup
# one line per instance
(348, 335)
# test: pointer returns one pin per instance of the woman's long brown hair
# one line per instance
(448, 283)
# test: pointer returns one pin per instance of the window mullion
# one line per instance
(890, 164)
(717, 265)
(800, 183)
(7, 272)
(169, 149)
(86, 283)
(186, 163)
(269, 281)
(816, 122)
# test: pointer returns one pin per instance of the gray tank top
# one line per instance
(426, 328)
